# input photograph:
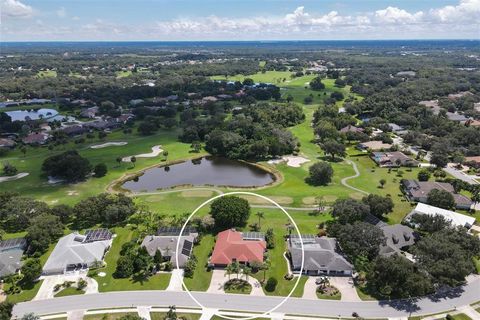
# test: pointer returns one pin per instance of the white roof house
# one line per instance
(72, 252)
(456, 219)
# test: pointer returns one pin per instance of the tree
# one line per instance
(124, 267)
(133, 159)
(333, 148)
(382, 183)
(6, 310)
(270, 238)
(397, 277)
(440, 159)
(423, 175)
(172, 313)
(358, 239)
(69, 166)
(119, 161)
(64, 212)
(320, 174)
(447, 255)
(100, 170)
(30, 316)
(379, 206)
(271, 284)
(165, 154)
(229, 270)
(147, 128)
(441, 198)
(317, 84)
(247, 271)
(349, 210)
(158, 258)
(31, 270)
(9, 169)
(23, 150)
(325, 130)
(43, 230)
(230, 211)
(429, 223)
(196, 146)
(260, 215)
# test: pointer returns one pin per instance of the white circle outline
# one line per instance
(266, 313)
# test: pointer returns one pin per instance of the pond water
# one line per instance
(21, 115)
(199, 172)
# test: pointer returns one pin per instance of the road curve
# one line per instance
(457, 297)
(356, 175)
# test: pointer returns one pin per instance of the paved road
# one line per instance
(459, 174)
(468, 294)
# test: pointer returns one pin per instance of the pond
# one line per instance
(22, 115)
(212, 171)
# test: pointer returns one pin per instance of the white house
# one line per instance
(456, 219)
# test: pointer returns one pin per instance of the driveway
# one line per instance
(218, 279)
(348, 291)
(450, 169)
(176, 281)
(49, 282)
(310, 289)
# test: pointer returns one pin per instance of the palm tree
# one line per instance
(119, 161)
(236, 268)
(260, 216)
(229, 270)
(247, 271)
(165, 154)
(265, 267)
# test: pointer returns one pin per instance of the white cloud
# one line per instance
(466, 10)
(15, 9)
(61, 12)
(396, 15)
(75, 18)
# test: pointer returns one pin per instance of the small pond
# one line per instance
(199, 172)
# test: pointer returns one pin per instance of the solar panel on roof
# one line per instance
(12, 244)
(253, 236)
(98, 235)
(187, 247)
(304, 236)
(174, 231)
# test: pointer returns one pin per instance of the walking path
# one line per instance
(15, 177)
(144, 312)
(356, 175)
(176, 281)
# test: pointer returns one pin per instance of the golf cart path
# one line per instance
(356, 175)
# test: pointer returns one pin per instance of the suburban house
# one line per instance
(36, 138)
(11, 252)
(454, 116)
(89, 112)
(166, 241)
(321, 256)
(6, 143)
(456, 219)
(418, 191)
(393, 159)
(398, 237)
(373, 146)
(351, 128)
(76, 252)
(232, 245)
(397, 129)
(74, 130)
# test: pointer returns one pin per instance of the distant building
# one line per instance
(89, 112)
(454, 96)
(431, 104)
(393, 159)
(397, 129)
(6, 143)
(456, 219)
(373, 146)
(74, 130)
(351, 128)
(135, 102)
(457, 117)
(232, 246)
(418, 191)
(321, 256)
(36, 138)
(166, 243)
(76, 252)
(11, 252)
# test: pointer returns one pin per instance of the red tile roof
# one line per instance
(230, 245)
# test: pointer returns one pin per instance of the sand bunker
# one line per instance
(109, 144)
(15, 177)
(291, 161)
(156, 150)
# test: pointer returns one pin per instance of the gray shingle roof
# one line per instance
(10, 261)
(168, 245)
(397, 237)
(320, 254)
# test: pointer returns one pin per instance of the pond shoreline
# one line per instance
(117, 185)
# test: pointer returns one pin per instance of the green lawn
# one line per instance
(108, 316)
(27, 293)
(244, 288)
(47, 74)
(123, 74)
(69, 292)
(201, 278)
(108, 283)
(461, 316)
(186, 316)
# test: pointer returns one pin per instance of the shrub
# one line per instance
(271, 284)
(81, 284)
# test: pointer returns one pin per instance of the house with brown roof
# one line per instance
(393, 159)
(6, 143)
(418, 191)
(233, 246)
(373, 146)
(351, 128)
(35, 138)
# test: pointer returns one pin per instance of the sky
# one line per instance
(197, 20)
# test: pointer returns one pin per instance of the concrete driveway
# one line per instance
(451, 169)
(348, 291)
(310, 289)
(176, 281)
(49, 282)
(218, 279)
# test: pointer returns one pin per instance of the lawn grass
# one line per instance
(201, 277)
(461, 316)
(186, 316)
(27, 293)
(124, 73)
(240, 288)
(109, 283)
(47, 74)
(69, 292)
(108, 316)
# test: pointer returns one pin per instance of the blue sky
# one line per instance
(44, 20)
